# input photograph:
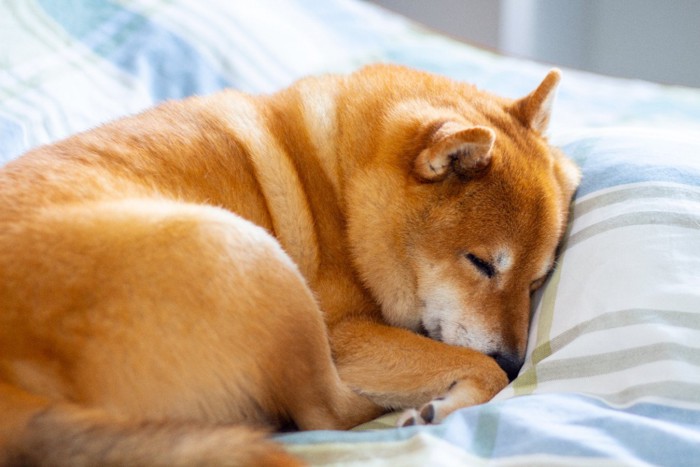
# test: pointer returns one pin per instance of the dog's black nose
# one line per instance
(510, 363)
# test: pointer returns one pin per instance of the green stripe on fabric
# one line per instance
(673, 390)
(526, 383)
(635, 219)
(611, 362)
(617, 319)
(633, 193)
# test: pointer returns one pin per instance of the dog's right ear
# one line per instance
(455, 148)
(535, 109)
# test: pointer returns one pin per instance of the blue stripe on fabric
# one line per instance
(604, 168)
(606, 175)
(170, 66)
(579, 426)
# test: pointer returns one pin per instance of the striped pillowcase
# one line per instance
(620, 318)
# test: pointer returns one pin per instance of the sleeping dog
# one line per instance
(176, 282)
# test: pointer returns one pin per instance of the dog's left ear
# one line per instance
(455, 148)
(535, 109)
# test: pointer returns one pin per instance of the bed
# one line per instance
(612, 375)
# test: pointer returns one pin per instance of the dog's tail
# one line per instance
(33, 433)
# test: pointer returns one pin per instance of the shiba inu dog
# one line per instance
(173, 281)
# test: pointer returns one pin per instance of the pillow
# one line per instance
(620, 317)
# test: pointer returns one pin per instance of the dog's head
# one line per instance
(457, 215)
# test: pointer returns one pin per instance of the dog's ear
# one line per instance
(535, 109)
(455, 147)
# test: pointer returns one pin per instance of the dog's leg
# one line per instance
(398, 369)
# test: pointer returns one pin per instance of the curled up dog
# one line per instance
(175, 283)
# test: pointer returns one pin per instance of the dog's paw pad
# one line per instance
(410, 422)
(410, 417)
(427, 413)
(457, 396)
(436, 410)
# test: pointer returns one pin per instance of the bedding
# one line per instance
(612, 375)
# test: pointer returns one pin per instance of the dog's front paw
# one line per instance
(460, 394)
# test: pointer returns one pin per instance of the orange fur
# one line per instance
(269, 260)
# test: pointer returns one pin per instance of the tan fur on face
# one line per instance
(481, 216)
(267, 260)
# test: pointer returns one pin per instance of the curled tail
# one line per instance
(66, 435)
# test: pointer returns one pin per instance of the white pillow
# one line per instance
(620, 317)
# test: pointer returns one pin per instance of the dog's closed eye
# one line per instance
(483, 266)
